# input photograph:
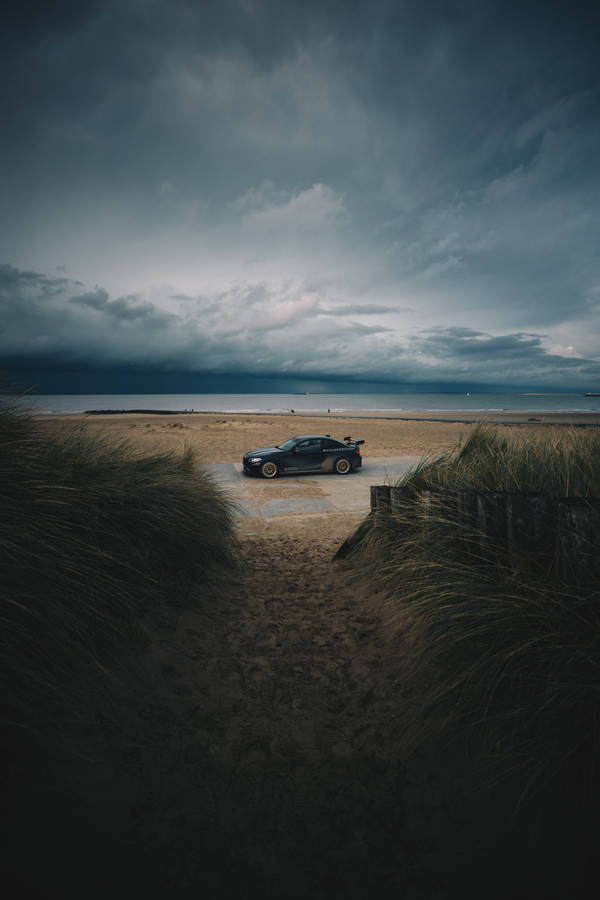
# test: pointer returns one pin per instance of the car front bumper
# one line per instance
(251, 468)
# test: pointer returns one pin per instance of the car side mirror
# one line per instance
(294, 449)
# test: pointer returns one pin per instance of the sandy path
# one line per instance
(275, 766)
(258, 756)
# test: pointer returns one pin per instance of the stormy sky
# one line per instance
(402, 192)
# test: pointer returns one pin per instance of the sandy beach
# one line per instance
(225, 437)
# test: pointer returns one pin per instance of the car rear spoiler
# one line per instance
(350, 440)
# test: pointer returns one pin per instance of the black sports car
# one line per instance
(305, 453)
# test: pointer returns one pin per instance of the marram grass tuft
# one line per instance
(500, 648)
(93, 538)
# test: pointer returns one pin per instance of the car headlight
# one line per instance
(255, 459)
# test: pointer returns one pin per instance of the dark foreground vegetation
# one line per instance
(96, 545)
(93, 539)
(489, 557)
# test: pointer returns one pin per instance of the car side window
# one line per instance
(328, 444)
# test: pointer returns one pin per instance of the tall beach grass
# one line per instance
(93, 539)
(504, 650)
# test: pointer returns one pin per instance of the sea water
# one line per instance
(317, 403)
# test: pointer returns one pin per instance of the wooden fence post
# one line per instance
(466, 526)
(398, 498)
(380, 497)
(528, 530)
(466, 509)
(530, 526)
(491, 525)
(427, 504)
(578, 529)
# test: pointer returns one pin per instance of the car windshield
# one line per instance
(288, 444)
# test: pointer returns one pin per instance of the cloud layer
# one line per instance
(53, 323)
(398, 191)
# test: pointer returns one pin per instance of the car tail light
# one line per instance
(357, 451)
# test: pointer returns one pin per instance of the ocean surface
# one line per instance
(306, 403)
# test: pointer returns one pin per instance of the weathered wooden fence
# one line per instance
(519, 530)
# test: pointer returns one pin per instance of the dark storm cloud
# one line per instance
(135, 88)
(45, 323)
(15, 283)
(48, 326)
(473, 353)
(467, 343)
(235, 173)
(125, 309)
(47, 320)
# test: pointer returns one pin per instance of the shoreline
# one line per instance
(463, 417)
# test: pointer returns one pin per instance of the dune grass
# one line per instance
(93, 539)
(494, 460)
(508, 656)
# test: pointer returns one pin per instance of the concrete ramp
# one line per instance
(298, 495)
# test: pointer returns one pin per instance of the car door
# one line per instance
(308, 454)
(330, 451)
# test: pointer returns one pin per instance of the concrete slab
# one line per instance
(350, 502)
(336, 493)
(244, 510)
(289, 505)
(381, 466)
(274, 485)
(224, 473)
